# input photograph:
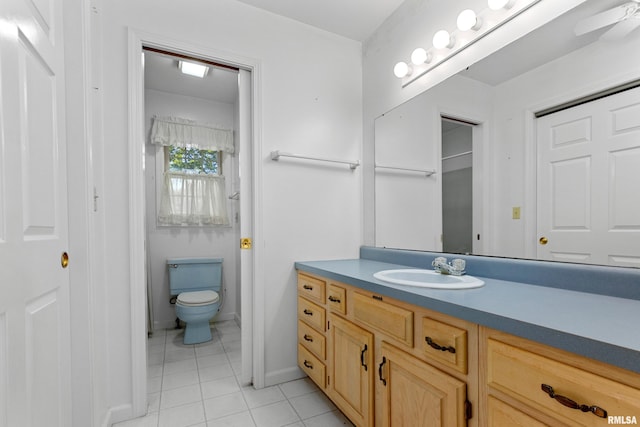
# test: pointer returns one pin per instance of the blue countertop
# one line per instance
(597, 326)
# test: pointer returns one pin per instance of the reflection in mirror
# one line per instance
(569, 177)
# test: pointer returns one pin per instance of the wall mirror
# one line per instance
(533, 152)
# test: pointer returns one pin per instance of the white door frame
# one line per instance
(252, 282)
(480, 167)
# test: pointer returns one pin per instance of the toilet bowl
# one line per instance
(196, 309)
(197, 283)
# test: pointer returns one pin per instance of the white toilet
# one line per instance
(197, 283)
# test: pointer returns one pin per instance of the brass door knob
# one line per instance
(64, 260)
(543, 240)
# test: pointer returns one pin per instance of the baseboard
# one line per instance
(117, 414)
(283, 376)
(171, 324)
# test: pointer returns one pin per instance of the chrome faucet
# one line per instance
(455, 268)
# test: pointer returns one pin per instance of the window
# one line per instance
(192, 160)
(193, 191)
(193, 188)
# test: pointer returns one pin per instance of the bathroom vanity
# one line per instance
(540, 344)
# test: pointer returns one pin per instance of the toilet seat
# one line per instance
(197, 298)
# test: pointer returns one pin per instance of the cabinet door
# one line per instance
(351, 370)
(415, 393)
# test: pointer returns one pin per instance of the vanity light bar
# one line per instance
(471, 27)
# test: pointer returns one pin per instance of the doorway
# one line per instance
(457, 186)
(188, 102)
(249, 268)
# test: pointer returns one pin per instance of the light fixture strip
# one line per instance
(419, 70)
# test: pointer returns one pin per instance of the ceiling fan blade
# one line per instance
(621, 29)
(602, 19)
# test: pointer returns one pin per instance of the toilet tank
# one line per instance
(194, 274)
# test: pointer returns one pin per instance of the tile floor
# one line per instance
(199, 385)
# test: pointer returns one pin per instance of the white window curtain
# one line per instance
(188, 133)
(188, 198)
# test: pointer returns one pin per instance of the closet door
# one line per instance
(589, 181)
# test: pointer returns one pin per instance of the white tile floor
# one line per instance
(199, 385)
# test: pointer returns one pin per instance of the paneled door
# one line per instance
(589, 182)
(34, 280)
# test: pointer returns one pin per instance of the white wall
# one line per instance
(309, 104)
(184, 242)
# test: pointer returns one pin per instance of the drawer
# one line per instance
(312, 366)
(501, 414)
(394, 321)
(521, 374)
(312, 314)
(337, 299)
(312, 340)
(311, 287)
(445, 343)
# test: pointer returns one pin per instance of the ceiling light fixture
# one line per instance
(193, 69)
(443, 39)
(468, 20)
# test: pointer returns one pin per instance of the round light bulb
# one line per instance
(420, 56)
(401, 69)
(468, 20)
(442, 39)
(499, 4)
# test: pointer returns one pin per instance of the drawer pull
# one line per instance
(307, 287)
(334, 299)
(595, 410)
(308, 338)
(439, 347)
(384, 360)
(308, 312)
(378, 297)
(308, 365)
(364, 350)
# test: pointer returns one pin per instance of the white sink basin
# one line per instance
(428, 279)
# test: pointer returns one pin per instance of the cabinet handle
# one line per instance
(308, 312)
(439, 347)
(384, 360)
(334, 299)
(362, 357)
(308, 365)
(378, 297)
(307, 287)
(595, 410)
(308, 338)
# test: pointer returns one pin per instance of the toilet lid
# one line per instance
(198, 298)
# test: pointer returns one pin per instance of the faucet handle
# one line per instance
(459, 264)
(439, 260)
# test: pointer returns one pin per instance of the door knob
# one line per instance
(64, 260)
(543, 240)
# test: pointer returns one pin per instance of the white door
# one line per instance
(589, 182)
(34, 287)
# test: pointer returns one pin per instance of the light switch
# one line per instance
(516, 212)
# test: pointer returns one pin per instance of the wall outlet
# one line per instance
(516, 212)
